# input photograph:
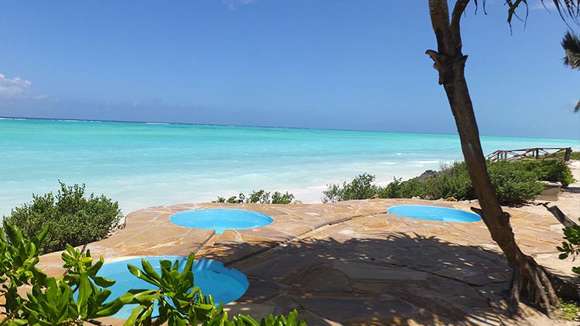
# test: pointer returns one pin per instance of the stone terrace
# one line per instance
(349, 263)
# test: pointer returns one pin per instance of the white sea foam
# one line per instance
(426, 162)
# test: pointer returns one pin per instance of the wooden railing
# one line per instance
(531, 153)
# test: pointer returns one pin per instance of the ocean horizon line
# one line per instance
(268, 127)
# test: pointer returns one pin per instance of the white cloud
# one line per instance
(13, 87)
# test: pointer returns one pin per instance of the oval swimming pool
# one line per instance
(433, 213)
(221, 219)
(211, 276)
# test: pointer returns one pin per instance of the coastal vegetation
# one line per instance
(571, 245)
(81, 296)
(570, 248)
(70, 216)
(570, 311)
(258, 197)
(530, 283)
(575, 155)
(515, 182)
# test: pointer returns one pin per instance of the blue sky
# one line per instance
(346, 64)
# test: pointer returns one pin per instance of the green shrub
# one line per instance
(50, 300)
(258, 197)
(361, 187)
(552, 170)
(575, 155)
(231, 200)
(452, 181)
(282, 198)
(515, 183)
(175, 284)
(549, 170)
(571, 245)
(70, 216)
(570, 310)
(392, 190)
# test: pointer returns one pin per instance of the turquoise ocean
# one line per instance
(150, 164)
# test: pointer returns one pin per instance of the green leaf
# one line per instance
(85, 291)
(138, 273)
(110, 308)
(132, 320)
(41, 236)
(150, 271)
(103, 282)
(134, 270)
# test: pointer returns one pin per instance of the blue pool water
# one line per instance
(211, 276)
(220, 219)
(433, 213)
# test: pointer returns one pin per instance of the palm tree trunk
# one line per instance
(530, 281)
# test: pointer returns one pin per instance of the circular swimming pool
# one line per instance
(221, 219)
(211, 276)
(433, 213)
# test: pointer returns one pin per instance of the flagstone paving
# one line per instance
(349, 263)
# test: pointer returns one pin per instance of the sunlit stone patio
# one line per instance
(349, 263)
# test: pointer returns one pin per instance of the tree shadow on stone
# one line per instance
(390, 279)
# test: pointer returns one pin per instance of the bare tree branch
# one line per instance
(559, 215)
(458, 11)
(440, 20)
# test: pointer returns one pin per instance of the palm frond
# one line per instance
(571, 46)
(567, 9)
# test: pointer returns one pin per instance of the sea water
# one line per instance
(142, 165)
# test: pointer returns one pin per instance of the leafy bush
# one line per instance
(549, 170)
(571, 245)
(452, 181)
(231, 200)
(18, 259)
(259, 197)
(282, 198)
(51, 301)
(181, 303)
(361, 187)
(575, 155)
(570, 310)
(514, 182)
(70, 217)
(552, 170)
(81, 296)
